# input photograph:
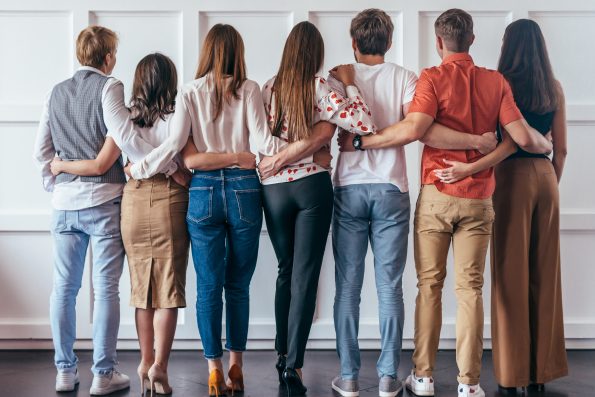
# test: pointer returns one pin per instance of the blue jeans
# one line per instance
(224, 222)
(72, 231)
(380, 213)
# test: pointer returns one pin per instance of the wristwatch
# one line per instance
(357, 142)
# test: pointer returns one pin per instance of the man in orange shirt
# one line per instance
(473, 100)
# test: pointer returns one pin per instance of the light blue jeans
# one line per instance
(380, 213)
(72, 231)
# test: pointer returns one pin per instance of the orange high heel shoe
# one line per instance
(235, 379)
(216, 383)
(145, 384)
(158, 379)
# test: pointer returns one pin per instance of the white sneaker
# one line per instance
(420, 386)
(470, 390)
(66, 380)
(106, 384)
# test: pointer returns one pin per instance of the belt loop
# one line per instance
(138, 183)
(168, 182)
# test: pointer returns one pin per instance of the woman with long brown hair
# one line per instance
(527, 322)
(153, 222)
(298, 198)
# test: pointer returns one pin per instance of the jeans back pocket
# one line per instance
(200, 206)
(249, 205)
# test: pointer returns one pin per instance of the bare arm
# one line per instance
(527, 138)
(559, 136)
(322, 133)
(108, 155)
(441, 137)
(193, 159)
(410, 129)
(458, 170)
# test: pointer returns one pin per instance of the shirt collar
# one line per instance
(458, 57)
(92, 69)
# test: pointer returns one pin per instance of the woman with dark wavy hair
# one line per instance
(153, 221)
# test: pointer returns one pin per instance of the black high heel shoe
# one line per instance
(293, 383)
(281, 364)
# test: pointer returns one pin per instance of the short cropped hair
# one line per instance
(455, 28)
(93, 44)
(372, 30)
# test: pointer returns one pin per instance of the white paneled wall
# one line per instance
(37, 45)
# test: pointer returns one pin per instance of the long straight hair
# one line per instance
(294, 86)
(222, 55)
(154, 90)
(525, 63)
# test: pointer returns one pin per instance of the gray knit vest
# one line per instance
(77, 126)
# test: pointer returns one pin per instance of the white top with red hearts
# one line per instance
(349, 113)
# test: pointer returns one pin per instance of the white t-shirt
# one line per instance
(385, 88)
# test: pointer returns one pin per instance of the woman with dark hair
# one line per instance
(298, 197)
(527, 322)
(153, 220)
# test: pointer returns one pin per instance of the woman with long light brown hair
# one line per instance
(298, 197)
(153, 222)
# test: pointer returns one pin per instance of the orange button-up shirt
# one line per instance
(469, 99)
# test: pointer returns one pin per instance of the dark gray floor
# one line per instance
(31, 373)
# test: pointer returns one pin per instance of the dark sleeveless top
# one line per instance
(541, 122)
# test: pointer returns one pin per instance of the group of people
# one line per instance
(194, 182)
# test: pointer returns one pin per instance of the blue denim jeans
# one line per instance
(72, 232)
(224, 222)
(380, 213)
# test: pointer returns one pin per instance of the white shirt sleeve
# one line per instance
(179, 129)
(121, 128)
(256, 120)
(409, 88)
(43, 150)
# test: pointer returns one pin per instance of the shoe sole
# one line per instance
(390, 393)
(421, 393)
(103, 392)
(345, 393)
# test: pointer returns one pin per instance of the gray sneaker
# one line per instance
(389, 387)
(345, 387)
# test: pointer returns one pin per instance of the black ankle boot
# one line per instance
(281, 367)
(507, 390)
(293, 383)
(536, 387)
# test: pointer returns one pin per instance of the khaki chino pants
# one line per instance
(440, 219)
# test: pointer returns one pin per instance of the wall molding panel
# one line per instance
(40, 38)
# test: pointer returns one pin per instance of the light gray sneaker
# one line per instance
(389, 387)
(107, 384)
(66, 379)
(345, 387)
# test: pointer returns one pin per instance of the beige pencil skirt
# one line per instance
(156, 241)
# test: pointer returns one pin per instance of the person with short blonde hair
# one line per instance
(94, 44)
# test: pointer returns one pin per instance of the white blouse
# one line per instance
(349, 113)
(240, 119)
(155, 136)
